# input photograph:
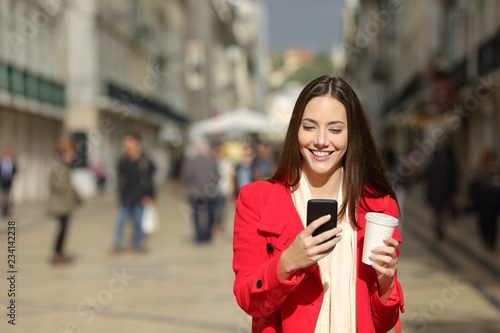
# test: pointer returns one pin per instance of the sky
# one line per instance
(312, 24)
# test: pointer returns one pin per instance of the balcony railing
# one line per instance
(125, 96)
(24, 83)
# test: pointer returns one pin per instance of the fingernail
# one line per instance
(327, 217)
(372, 256)
(375, 249)
(386, 238)
(339, 229)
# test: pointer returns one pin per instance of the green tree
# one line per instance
(320, 65)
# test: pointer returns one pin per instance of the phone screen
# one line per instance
(317, 208)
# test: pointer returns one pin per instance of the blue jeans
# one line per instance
(203, 213)
(220, 210)
(130, 210)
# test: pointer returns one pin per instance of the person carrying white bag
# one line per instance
(150, 219)
(135, 183)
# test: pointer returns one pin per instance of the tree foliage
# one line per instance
(320, 65)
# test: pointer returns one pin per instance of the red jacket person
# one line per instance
(291, 281)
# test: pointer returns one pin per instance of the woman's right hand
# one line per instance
(306, 250)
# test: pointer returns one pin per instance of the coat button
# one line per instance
(270, 248)
(259, 284)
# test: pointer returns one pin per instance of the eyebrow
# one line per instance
(329, 123)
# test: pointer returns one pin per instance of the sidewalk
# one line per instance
(177, 286)
(450, 286)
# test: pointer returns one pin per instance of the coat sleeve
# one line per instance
(257, 286)
(385, 315)
(59, 181)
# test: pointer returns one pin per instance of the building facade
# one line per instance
(32, 88)
(95, 70)
(118, 55)
(436, 78)
(224, 57)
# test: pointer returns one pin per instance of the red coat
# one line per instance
(266, 223)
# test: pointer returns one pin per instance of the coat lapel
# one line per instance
(280, 213)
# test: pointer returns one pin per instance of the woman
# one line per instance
(63, 198)
(290, 281)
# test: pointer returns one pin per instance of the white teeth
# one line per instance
(320, 153)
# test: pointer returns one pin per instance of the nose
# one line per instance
(321, 139)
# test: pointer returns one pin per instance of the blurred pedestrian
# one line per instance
(176, 169)
(441, 178)
(200, 177)
(264, 161)
(99, 170)
(135, 181)
(176, 165)
(8, 169)
(484, 193)
(245, 172)
(290, 280)
(63, 198)
(225, 169)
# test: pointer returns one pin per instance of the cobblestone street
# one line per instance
(179, 286)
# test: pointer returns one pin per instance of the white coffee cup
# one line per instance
(378, 226)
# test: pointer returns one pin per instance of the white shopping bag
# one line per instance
(150, 219)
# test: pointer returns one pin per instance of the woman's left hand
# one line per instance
(385, 262)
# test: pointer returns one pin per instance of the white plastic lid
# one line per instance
(382, 219)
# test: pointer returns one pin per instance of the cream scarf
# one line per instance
(337, 270)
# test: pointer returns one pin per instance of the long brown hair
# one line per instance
(365, 173)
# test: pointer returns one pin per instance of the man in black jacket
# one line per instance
(135, 180)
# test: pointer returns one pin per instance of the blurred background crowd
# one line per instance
(182, 71)
(209, 87)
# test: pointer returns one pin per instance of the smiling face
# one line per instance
(323, 136)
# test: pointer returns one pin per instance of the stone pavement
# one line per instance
(178, 286)
(449, 286)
